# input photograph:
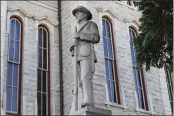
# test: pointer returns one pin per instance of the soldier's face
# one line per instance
(80, 16)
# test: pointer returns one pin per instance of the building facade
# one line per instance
(30, 60)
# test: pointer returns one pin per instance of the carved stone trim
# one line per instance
(19, 9)
(131, 21)
(107, 10)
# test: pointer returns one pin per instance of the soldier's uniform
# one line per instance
(86, 55)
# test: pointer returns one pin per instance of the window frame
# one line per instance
(141, 72)
(130, 3)
(169, 83)
(114, 63)
(19, 86)
(43, 26)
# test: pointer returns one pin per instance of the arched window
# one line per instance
(130, 2)
(43, 75)
(14, 66)
(138, 74)
(110, 62)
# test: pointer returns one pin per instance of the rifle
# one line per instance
(74, 106)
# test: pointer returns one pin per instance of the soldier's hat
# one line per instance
(84, 10)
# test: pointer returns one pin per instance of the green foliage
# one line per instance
(154, 45)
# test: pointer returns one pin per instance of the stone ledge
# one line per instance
(138, 110)
(90, 110)
(109, 104)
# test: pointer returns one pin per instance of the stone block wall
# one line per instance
(33, 13)
(122, 17)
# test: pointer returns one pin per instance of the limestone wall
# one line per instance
(122, 17)
(32, 14)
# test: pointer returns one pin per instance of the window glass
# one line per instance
(44, 39)
(13, 66)
(137, 73)
(104, 28)
(16, 58)
(11, 50)
(39, 80)
(17, 32)
(107, 68)
(42, 78)
(8, 100)
(9, 74)
(44, 58)
(44, 81)
(12, 28)
(169, 86)
(14, 99)
(39, 103)
(109, 60)
(111, 70)
(113, 91)
(40, 37)
(15, 75)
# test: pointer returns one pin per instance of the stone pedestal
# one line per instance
(90, 110)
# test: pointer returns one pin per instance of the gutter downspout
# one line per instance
(60, 59)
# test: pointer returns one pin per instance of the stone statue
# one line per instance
(85, 37)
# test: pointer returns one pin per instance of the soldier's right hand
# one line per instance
(71, 48)
(77, 35)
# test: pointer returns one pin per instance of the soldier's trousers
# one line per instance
(85, 78)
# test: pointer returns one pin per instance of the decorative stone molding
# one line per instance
(107, 10)
(109, 13)
(131, 21)
(19, 9)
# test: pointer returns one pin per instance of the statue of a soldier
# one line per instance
(85, 37)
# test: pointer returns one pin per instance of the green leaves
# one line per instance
(154, 44)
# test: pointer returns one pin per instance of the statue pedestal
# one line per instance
(90, 110)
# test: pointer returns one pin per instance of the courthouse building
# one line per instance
(37, 66)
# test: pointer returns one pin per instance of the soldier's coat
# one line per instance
(89, 35)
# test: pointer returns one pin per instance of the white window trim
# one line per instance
(42, 69)
(133, 29)
(109, 13)
(23, 13)
(51, 29)
(11, 13)
(111, 59)
(14, 63)
(14, 41)
(135, 25)
(123, 103)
